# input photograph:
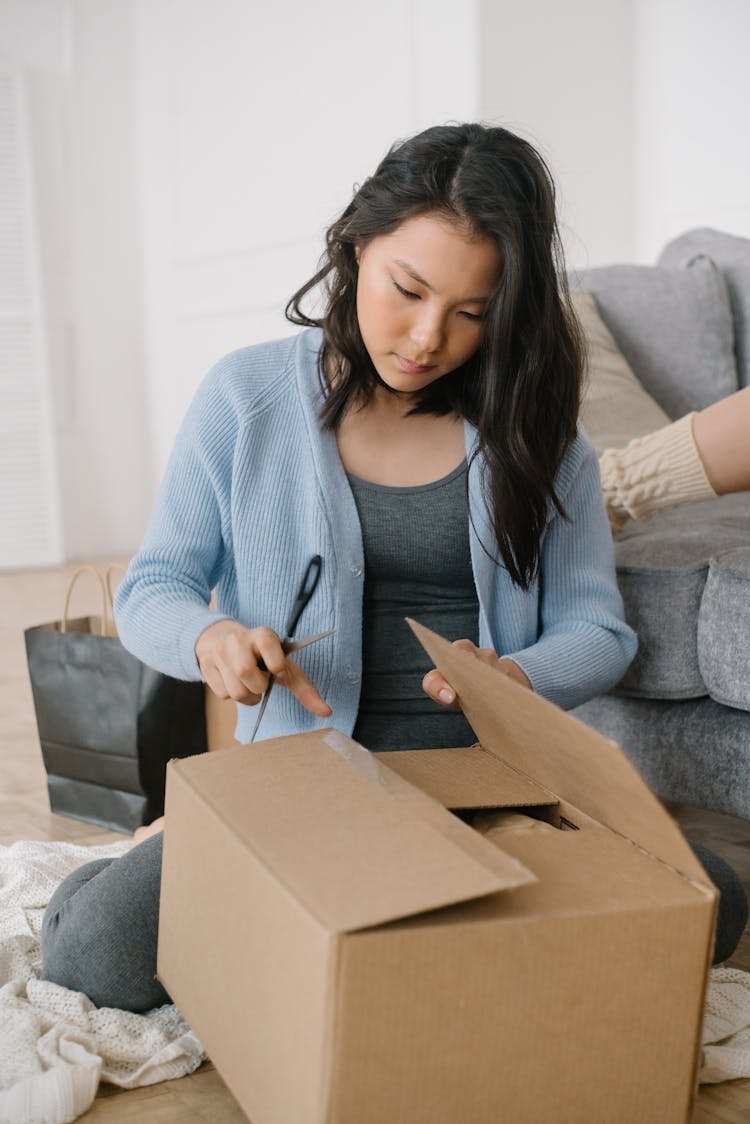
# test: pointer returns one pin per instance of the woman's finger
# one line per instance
(488, 656)
(215, 680)
(440, 690)
(295, 680)
(246, 660)
(237, 685)
(238, 663)
(266, 647)
(226, 685)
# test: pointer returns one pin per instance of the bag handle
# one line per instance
(112, 568)
(108, 579)
(76, 575)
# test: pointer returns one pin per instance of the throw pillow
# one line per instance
(674, 327)
(615, 407)
(730, 253)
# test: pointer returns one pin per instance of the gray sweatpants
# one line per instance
(100, 930)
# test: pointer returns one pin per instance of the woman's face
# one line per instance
(421, 296)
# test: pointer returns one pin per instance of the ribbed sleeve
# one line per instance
(659, 470)
(190, 547)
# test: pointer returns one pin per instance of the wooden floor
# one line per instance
(203, 1098)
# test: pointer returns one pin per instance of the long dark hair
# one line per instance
(521, 389)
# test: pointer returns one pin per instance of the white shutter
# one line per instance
(30, 532)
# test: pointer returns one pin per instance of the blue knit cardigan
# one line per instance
(255, 487)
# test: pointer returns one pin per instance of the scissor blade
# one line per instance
(297, 645)
(261, 710)
(288, 646)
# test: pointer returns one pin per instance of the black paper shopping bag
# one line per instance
(108, 724)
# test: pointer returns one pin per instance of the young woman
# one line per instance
(420, 437)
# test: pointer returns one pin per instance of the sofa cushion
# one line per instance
(662, 570)
(674, 327)
(695, 751)
(724, 628)
(615, 407)
(731, 254)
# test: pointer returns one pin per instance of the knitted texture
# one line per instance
(254, 487)
(726, 1027)
(659, 470)
(55, 1045)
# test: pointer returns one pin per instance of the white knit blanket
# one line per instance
(55, 1045)
(726, 1027)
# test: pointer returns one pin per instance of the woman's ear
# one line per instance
(357, 250)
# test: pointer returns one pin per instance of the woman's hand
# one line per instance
(441, 691)
(228, 655)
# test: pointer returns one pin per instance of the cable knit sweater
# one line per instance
(254, 487)
(658, 470)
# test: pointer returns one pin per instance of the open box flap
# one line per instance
(470, 777)
(560, 753)
(356, 844)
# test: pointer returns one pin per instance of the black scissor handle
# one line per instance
(306, 590)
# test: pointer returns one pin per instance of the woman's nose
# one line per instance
(428, 331)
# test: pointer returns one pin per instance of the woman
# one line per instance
(421, 438)
(445, 339)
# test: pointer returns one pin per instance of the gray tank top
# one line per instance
(417, 564)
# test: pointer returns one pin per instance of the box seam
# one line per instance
(328, 1053)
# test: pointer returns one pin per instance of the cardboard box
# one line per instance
(351, 952)
(221, 721)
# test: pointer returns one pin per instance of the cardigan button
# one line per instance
(356, 570)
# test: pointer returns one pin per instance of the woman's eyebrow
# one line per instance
(421, 281)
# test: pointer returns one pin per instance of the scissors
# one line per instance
(305, 592)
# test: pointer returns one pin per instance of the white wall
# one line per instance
(107, 466)
(561, 75)
(77, 59)
(692, 83)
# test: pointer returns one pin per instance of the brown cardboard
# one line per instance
(352, 953)
(561, 753)
(221, 721)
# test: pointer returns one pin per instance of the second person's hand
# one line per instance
(229, 655)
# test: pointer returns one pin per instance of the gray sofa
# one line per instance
(682, 711)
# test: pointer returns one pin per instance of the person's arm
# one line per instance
(722, 439)
(162, 605)
(697, 457)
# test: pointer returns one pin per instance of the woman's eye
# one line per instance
(477, 317)
(406, 292)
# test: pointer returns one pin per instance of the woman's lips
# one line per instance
(411, 367)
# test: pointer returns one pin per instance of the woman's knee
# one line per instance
(733, 905)
(99, 934)
(60, 935)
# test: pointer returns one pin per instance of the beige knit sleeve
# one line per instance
(659, 470)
